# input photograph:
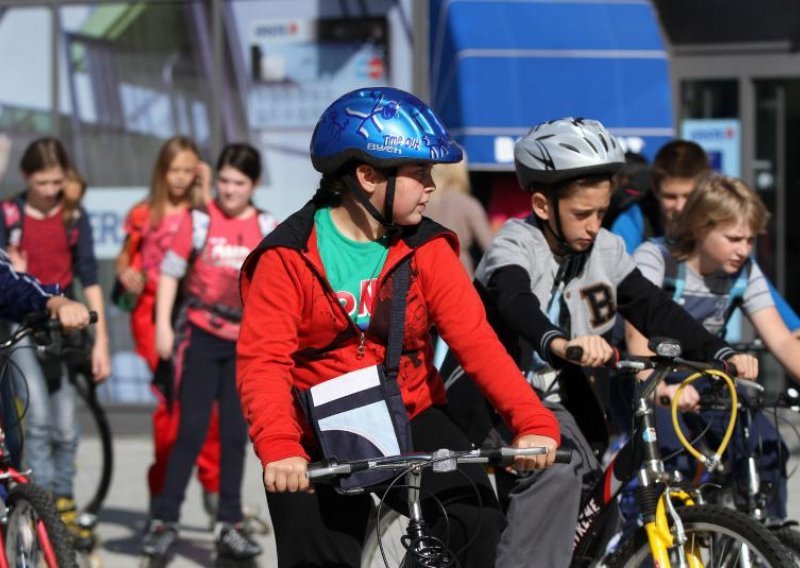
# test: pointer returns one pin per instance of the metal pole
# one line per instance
(217, 77)
(420, 79)
(780, 187)
(747, 113)
(55, 30)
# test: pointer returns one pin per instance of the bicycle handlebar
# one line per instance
(627, 363)
(440, 460)
(39, 322)
(42, 320)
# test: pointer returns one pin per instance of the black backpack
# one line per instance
(636, 188)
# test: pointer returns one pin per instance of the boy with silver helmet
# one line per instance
(555, 280)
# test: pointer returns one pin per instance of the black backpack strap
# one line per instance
(73, 229)
(397, 318)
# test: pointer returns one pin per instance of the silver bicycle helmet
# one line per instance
(568, 148)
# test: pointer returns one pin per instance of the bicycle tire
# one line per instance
(790, 539)
(715, 526)
(28, 505)
(95, 460)
(388, 532)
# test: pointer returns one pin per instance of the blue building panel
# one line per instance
(498, 67)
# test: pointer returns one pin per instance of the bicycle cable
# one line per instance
(716, 458)
(680, 450)
(410, 544)
(5, 375)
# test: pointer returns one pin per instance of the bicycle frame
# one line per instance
(422, 548)
(11, 477)
(41, 533)
(8, 476)
(640, 455)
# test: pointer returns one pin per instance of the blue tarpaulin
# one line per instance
(499, 67)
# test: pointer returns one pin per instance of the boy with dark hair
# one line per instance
(677, 168)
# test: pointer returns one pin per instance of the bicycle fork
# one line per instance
(654, 495)
(665, 532)
(423, 549)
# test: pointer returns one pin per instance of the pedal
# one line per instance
(253, 522)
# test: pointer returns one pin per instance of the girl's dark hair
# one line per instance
(332, 186)
(242, 157)
(71, 206)
(43, 154)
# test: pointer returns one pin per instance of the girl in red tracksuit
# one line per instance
(316, 298)
(180, 180)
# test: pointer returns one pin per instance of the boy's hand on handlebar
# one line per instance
(746, 366)
(288, 474)
(689, 400)
(71, 315)
(596, 351)
(534, 462)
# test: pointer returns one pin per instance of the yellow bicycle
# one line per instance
(677, 527)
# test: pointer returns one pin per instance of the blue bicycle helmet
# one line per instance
(382, 127)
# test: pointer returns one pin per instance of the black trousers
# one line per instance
(327, 529)
(209, 374)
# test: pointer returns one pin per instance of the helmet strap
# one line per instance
(388, 200)
(557, 232)
(363, 198)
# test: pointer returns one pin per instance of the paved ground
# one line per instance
(124, 514)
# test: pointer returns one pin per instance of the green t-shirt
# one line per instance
(352, 267)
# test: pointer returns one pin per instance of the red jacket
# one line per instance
(295, 334)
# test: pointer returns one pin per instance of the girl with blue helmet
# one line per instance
(323, 295)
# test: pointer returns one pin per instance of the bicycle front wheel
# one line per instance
(95, 459)
(34, 534)
(790, 539)
(387, 534)
(721, 536)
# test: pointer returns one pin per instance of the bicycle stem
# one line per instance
(413, 477)
(652, 467)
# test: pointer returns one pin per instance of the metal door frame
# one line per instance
(745, 63)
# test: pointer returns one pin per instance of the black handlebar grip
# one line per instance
(730, 369)
(563, 455)
(92, 317)
(574, 353)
